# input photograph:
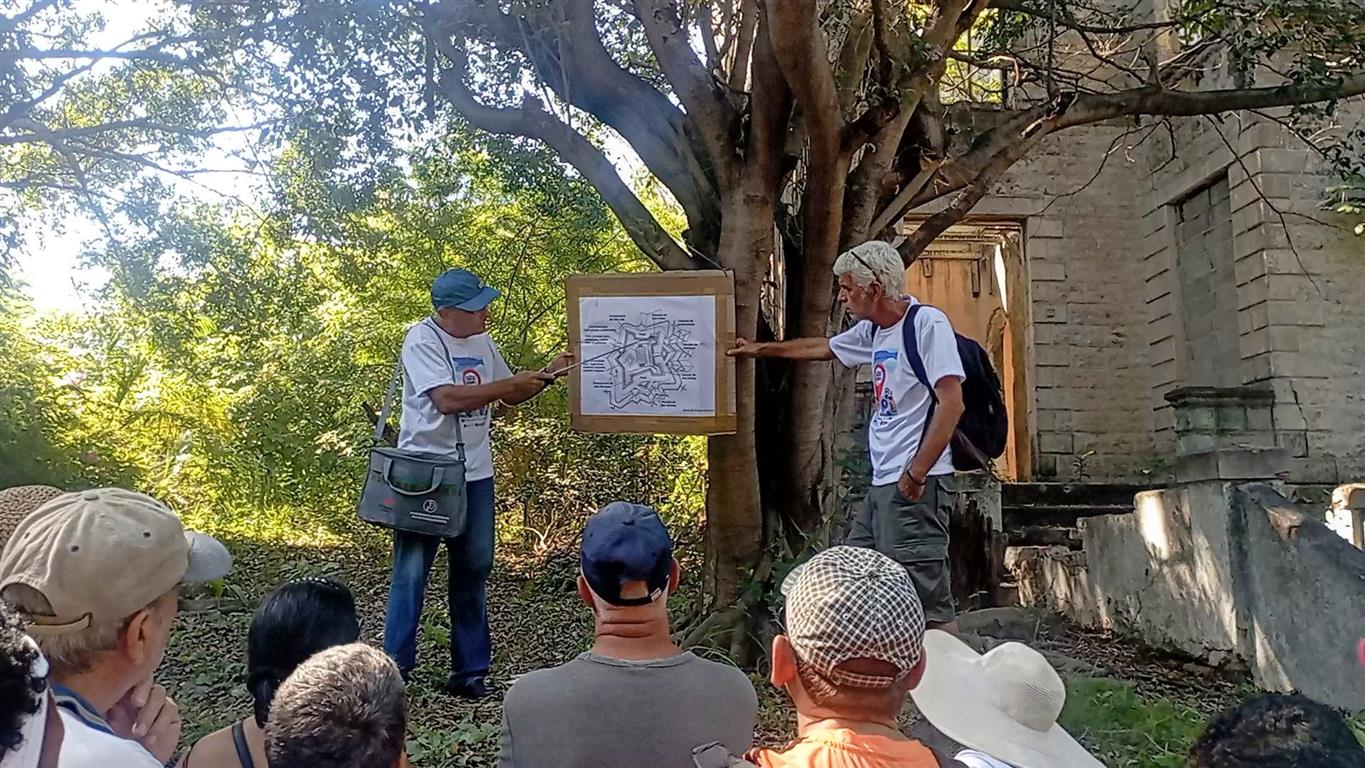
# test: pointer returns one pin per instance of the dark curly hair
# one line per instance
(1276, 729)
(294, 622)
(20, 692)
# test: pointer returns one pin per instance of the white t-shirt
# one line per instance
(974, 759)
(902, 406)
(84, 746)
(429, 354)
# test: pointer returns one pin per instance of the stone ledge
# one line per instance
(1232, 464)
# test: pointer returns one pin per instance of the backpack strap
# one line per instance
(910, 339)
(715, 755)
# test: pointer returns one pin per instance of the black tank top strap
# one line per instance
(239, 739)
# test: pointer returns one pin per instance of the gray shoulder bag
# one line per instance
(413, 491)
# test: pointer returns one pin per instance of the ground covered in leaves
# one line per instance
(1146, 717)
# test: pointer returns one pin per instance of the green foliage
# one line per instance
(227, 365)
(1348, 198)
(1125, 730)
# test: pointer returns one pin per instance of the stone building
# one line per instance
(1109, 275)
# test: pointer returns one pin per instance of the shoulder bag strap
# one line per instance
(387, 408)
(454, 378)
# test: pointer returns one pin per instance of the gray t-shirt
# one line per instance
(599, 712)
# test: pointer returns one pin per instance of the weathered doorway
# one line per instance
(974, 273)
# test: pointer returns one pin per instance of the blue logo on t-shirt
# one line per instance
(883, 363)
(470, 373)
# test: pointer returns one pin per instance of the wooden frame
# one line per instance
(715, 283)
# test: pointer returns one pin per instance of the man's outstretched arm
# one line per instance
(792, 349)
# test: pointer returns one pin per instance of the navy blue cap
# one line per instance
(461, 289)
(626, 542)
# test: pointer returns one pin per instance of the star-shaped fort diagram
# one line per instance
(650, 363)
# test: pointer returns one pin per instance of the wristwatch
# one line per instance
(914, 479)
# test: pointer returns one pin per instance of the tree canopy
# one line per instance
(781, 132)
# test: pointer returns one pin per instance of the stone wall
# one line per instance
(1120, 318)
(1299, 278)
(1085, 349)
(1216, 570)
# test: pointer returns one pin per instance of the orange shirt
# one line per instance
(842, 748)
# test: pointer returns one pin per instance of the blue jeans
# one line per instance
(470, 557)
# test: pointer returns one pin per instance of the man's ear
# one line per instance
(784, 662)
(917, 674)
(136, 638)
(402, 761)
(585, 592)
(674, 577)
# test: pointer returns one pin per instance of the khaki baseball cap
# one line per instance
(100, 556)
(851, 603)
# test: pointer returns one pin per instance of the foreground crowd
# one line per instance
(90, 583)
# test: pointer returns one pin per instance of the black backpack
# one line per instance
(983, 430)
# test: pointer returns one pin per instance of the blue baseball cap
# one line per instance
(461, 289)
(626, 542)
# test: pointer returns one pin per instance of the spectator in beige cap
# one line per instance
(98, 573)
(853, 648)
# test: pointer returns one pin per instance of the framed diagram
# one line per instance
(650, 352)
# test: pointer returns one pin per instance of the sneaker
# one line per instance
(471, 688)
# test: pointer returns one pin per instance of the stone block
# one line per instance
(1253, 318)
(1162, 284)
(1300, 313)
(1161, 328)
(1049, 313)
(1044, 226)
(1053, 399)
(1232, 465)
(1254, 292)
(1047, 271)
(1293, 287)
(1052, 355)
(1056, 442)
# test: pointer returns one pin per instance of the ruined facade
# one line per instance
(1157, 258)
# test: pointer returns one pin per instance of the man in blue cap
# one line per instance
(454, 371)
(635, 698)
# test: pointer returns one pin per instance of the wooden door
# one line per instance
(963, 280)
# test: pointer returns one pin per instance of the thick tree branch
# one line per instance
(532, 121)
(654, 127)
(962, 204)
(32, 133)
(869, 179)
(798, 45)
(1091, 108)
(744, 45)
(1067, 20)
(710, 113)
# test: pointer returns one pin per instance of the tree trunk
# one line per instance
(734, 528)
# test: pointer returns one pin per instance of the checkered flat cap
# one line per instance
(853, 603)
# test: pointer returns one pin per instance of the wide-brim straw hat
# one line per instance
(1004, 703)
(18, 502)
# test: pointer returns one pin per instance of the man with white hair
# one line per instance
(906, 513)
